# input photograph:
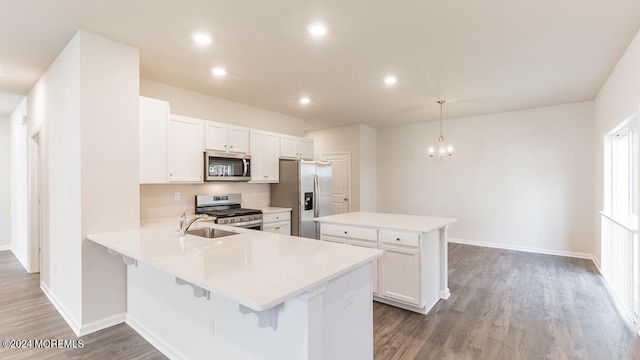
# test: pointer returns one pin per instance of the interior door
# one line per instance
(340, 181)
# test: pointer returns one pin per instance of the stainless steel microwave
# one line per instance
(226, 166)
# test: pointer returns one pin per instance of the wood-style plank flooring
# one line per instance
(511, 305)
(504, 305)
(26, 313)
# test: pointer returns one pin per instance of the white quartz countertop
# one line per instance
(389, 221)
(272, 209)
(256, 269)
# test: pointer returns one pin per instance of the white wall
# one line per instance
(19, 189)
(360, 141)
(5, 183)
(190, 103)
(519, 180)
(109, 165)
(87, 105)
(618, 98)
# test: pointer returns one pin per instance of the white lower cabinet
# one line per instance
(400, 274)
(374, 264)
(278, 222)
(356, 236)
(397, 275)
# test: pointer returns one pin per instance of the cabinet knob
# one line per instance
(232, 146)
(346, 233)
(397, 239)
(277, 217)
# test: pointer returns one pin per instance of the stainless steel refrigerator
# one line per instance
(305, 187)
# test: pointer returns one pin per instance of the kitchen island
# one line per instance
(250, 295)
(413, 272)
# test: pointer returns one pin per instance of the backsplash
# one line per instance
(158, 201)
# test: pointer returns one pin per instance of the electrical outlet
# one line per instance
(347, 299)
(176, 196)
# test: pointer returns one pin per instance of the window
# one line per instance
(621, 172)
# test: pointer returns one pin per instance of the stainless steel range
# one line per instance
(227, 210)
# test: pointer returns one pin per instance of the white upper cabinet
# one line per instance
(154, 117)
(293, 147)
(185, 149)
(226, 138)
(264, 156)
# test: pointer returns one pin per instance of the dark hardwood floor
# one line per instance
(504, 305)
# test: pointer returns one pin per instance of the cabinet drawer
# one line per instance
(350, 232)
(400, 238)
(276, 216)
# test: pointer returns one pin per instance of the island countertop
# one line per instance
(256, 269)
(389, 221)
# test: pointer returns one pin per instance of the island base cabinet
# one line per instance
(400, 274)
(331, 321)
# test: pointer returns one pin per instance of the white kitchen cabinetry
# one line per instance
(293, 147)
(226, 138)
(400, 264)
(277, 221)
(265, 150)
(412, 272)
(356, 236)
(185, 149)
(154, 117)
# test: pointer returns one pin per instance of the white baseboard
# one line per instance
(102, 324)
(25, 264)
(154, 339)
(79, 329)
(61, 309)
(522, 248)
(5, 247)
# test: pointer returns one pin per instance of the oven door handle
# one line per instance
(245, 223)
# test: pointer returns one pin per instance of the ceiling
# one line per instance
(481, 56)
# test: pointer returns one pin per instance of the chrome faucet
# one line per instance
(184, 224)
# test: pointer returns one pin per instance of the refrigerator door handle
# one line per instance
(316, 191)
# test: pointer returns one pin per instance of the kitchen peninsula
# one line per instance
(250, 295)
(413, 272)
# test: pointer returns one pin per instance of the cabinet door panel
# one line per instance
(238, 139)
(215, 136)
(400, 274)
(305, 149)
(186, 156)
(374, 263)
(154, 119)
(288, 146)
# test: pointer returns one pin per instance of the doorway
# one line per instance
(340, 180)
(35, 201)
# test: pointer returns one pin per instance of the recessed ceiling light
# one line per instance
(390, 80)
(202, 38)
(317, 29)
(219, 72)
(304, 100)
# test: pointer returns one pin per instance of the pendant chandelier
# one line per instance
(444, 151)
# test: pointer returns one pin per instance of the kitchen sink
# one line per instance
(210, 232)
